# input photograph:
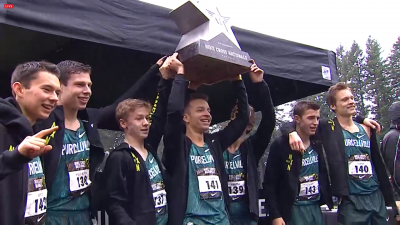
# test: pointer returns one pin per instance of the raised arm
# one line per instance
(174, 128)
(159, 111)
(237, 125)
(263, 102)
(105, 117)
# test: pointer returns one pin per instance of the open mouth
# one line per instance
(48, 107)
(205, 120)
(83, 99)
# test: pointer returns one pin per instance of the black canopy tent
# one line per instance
(122, 39)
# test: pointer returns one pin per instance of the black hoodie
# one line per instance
(177, 146)
(14, 127)
(93, 119)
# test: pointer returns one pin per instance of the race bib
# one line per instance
(309, 188)
(360, 167)
(236, 188)
(79, 181)
(160, 198)
(209, 183)
(36, 203)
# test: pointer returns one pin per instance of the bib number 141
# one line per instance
(209, 183)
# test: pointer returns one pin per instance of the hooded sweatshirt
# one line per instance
(390, 147)
(14, 127)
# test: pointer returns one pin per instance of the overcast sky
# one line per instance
(313, 22)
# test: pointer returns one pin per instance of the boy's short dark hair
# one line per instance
(302, 106)
(196, 96)
(26, 72)
(69, 67)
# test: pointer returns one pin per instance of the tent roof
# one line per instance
(121, 39)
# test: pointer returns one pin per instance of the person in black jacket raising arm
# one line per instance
(197, 188)
(241, 158)
(297, 184)
(133, 173)
(77, 150)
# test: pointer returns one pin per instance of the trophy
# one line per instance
(208, 48)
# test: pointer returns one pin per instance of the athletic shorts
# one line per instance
(68, 218)
(306, 215)
(363, 210)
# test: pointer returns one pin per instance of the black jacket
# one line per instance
(177, 146)
(129, 192)
(93, 119)
(282, 185)
(254, 147)
(331, 134)
(14, 127)
(389, 148)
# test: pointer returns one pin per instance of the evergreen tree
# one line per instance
(378, 84)
(394, 70)
(356, 77)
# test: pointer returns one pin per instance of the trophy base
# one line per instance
(210, 62)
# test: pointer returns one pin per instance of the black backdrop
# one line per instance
(121, 39)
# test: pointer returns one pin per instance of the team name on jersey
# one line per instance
(70, 149)
(356, 143)
(310, 160)
(202, 159)
(35, 168)
(154, 171)
(234, 165)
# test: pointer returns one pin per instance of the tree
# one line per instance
(341, 63)
(394, 69)
(378, 83)
(356, 77)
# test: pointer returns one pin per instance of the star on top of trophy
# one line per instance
(197, 20)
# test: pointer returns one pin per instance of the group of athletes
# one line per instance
(54, 169)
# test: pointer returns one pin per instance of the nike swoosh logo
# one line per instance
(151, 160)
(39, 219)
(207, 150)
(236, 156)
(387, 219)
(360, 136)
(311, 151)
(159, 210)
(234, 198)
(81, 135)
(213, 194)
